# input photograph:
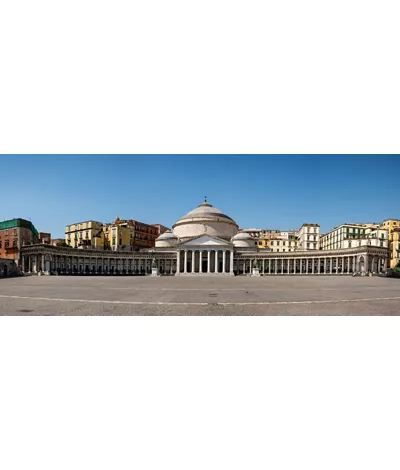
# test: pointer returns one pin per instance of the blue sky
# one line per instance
(264, 191)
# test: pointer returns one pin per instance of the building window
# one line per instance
(15, 242)
(6, 232)
(6, 244)
(1, 244)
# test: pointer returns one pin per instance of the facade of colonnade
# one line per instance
(358, 260)
(202, 261)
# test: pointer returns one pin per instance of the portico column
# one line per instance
(312, 267)
(348, 265)
(288, 266)
(201, 261)
(263, 268)
(192, 261)
(282, 265)
(301, 265)
(208, 261)
(331, 265)
(216, 261)
(307, 265)
(178, 263)
(231, 263)
(185, 262)
(30, 263)
(251, 262)
(276, 266)
(223, 261)
(337, 265)
(269, 266)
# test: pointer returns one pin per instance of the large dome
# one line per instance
(205, 219)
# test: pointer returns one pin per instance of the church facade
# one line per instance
(203, 242)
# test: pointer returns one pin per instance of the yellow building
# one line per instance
(393, 227)
(120, 234)
(81, 234)
(277, 241)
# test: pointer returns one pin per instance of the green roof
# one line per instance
(7, 224)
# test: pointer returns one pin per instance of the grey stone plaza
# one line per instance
(209, 295)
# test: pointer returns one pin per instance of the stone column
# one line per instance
(224, 261)
(307, 265)
(348, 265)
(366, 263)
(325, 265)
(313, 265)
(331, 265)
(301, 265)
(231, 263)
(288, 266)
(337, 265)
(282, 265)
(185, 262)
(250, 265)
(216, 261)
(269, 266)
(276, 265)
(244, 267)
(178, 263)
(200, 262)
(208, 261)
(192, 261)
(29, 263)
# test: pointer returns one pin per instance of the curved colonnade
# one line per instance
(52, 260)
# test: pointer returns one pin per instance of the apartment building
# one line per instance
(353, 235)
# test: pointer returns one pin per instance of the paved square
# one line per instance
(208, 295)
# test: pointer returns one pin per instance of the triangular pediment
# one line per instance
(206, 240)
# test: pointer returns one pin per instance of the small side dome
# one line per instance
(242, 236)
(167, 239)
(243, 240)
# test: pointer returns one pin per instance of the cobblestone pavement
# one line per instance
(206, 295)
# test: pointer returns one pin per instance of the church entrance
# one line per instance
(204, 265)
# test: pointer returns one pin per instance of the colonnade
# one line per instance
(94, 265)
(314, 265)
(205, 261)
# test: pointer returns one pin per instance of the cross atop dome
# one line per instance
(205, 203)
